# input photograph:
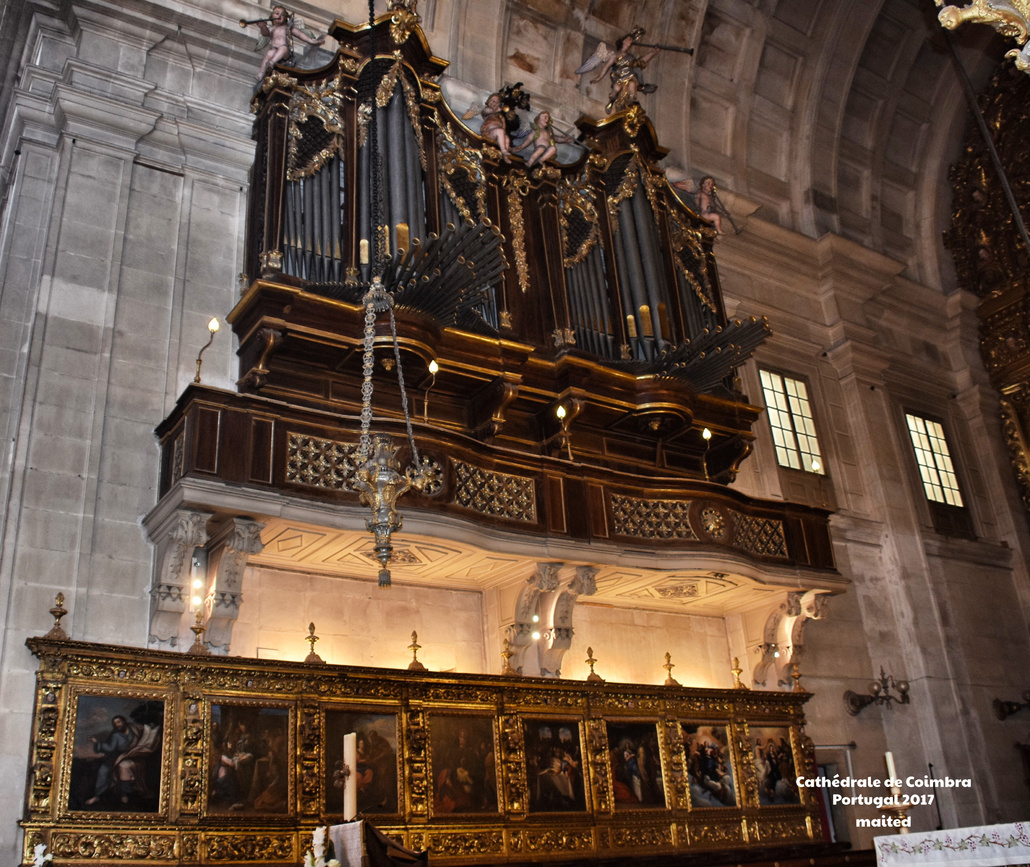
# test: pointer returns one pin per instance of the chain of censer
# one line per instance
(378, 230)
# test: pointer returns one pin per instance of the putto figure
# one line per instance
(623, 66)
(277, 35)
(544, 140)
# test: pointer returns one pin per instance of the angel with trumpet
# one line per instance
(623, 67)
(277, 35)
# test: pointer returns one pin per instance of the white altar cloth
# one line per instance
(349, 844)
(982, 846)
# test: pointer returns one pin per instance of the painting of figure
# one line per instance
(554, 766)
(464, 764)
(249, 759)
(116, 758)
(709, 765)
(376, 771)
(636, 765)
(774, 766)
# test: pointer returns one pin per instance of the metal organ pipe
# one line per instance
(648, 255)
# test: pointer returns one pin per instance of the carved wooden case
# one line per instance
(149, 756)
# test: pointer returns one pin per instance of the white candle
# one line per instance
(892, 771)
(350, 785)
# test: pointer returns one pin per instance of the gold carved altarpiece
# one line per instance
(182, 822)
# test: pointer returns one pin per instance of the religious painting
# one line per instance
(464, 764)
(774, 765)
(554, 765)
(116, 755)
(709, 765)
(636, 765)
(249, 760)
(376, 772)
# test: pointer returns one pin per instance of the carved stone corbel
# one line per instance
(170, 592)
(783, 636)
(560, 630)
(228, 556)
(520, 633)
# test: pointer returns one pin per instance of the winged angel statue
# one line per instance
(624, 68)
(1008, 17)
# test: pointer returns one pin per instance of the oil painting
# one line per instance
(464, 764)
(116, 758)
(554, 766)
(249, 759)
(774, 765)
(376, 771)
(709, 765)
(636, 765)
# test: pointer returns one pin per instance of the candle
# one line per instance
(892, 771)
(350, 785)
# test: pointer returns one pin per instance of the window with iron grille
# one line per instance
(793, 428)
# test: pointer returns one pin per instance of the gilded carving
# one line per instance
(239, 847)
(715, 833)
(517, 185)
(467, 843)
(652, 519)
(500, 494)
(514, 753)
(461, 165)
(762, 536)
(600, 779)
(558, 840)
(113, 846)
(320, 100)
(577, 219)
(782, 830)
(318, 462)
(641, 835)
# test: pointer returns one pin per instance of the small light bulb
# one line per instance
(776, 654)
(706, 434)
(197, 583)
(536, 618)
(560, 412)
(212, 326)
(196, 601)
(536, 636)
(434, 368)
(815, 466)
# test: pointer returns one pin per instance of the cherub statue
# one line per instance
(708, 205)
(495, 125)
(622, 66)
(277, 35)
(544, 139)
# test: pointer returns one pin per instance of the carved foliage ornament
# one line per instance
(1008, 17)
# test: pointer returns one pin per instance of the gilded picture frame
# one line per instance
(709, 766)
(379, 768)
(775, 765)
(250, 770)
(117, 762)
(636, 765)
(464, 762)
(555, 766)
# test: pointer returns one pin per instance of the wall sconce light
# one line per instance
(879, 693)
(562, 413)
(434, 369)
(706, 435)
(212, 326)
(1005, 709)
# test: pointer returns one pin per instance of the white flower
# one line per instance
(40, 856)
(333, 863)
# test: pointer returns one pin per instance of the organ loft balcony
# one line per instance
(554, 339)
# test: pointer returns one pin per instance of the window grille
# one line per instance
(790, 417)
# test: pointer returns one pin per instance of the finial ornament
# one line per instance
(795, 674)
(57, 612)
(593, 677)
(311, 639)
(670, 680)
(737, 671)
(506, 655)
(415, 647)
(198, 629)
